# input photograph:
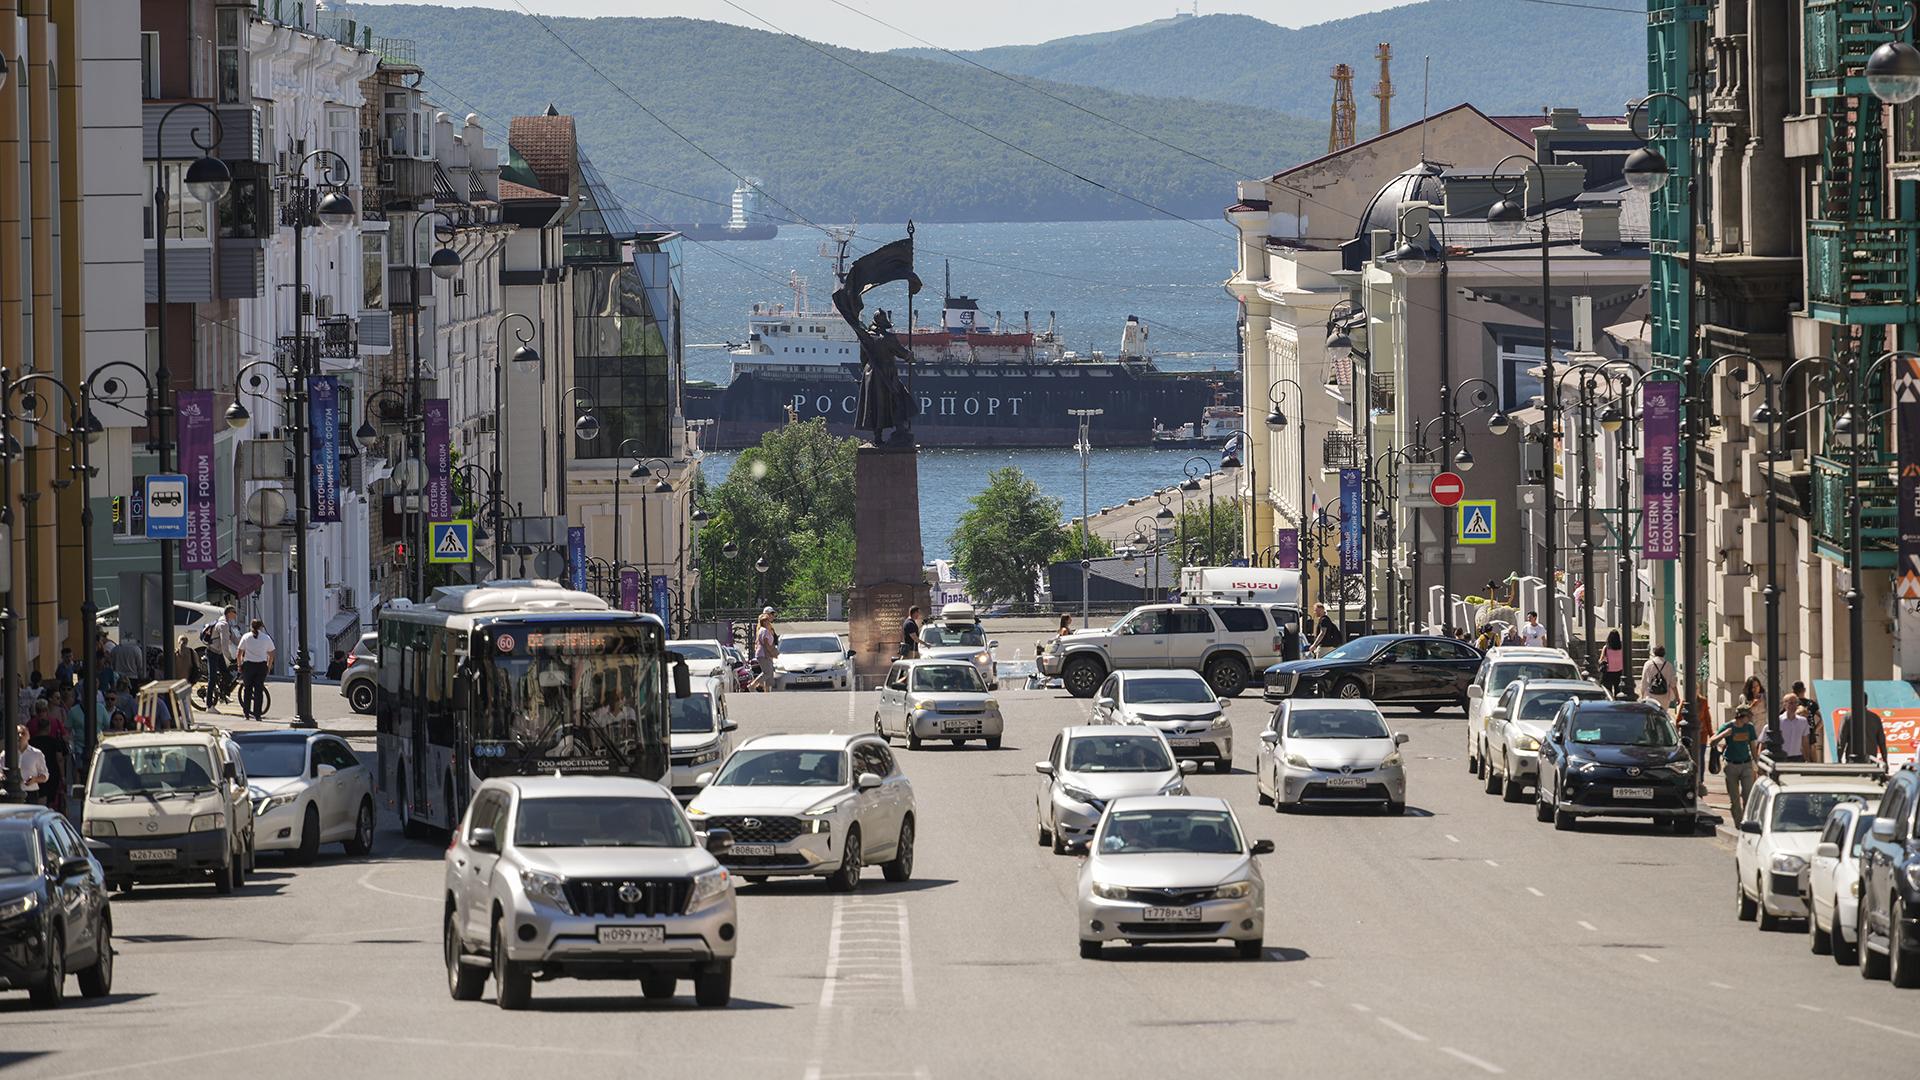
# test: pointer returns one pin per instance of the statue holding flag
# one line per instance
(885, 403)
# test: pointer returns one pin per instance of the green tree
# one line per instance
(788, 501)
(1006, 538)
(1098, 546)
(1191, 535)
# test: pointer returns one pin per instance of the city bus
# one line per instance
(515, 677)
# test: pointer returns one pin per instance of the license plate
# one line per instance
(633, 935)
(1346, 782)
(1633, 793)
(1173, 914)
(751, 849)
(1182, 740)
(158, 854)
(960, 727)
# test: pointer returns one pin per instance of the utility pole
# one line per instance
(1085, 418)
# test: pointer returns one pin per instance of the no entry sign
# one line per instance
(1447, 489)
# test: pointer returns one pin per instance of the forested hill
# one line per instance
(829, 141)
(1505, 56)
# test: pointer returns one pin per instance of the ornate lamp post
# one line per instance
(1192, 483)
(524, 354)
(444, 264)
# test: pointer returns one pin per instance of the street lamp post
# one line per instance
(1230, 460)
(1768, 419)
(445, 265)
(1192, 483)
(1485, 397)
(1085, 447)
(643, 470)
(1147, 531)
(1277, 422)
(114, 391)
(525, 354)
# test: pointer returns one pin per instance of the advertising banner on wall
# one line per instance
(577, 557)
(1906, 405)
(195, 434)
(1286, 549)
(1660, 426)
(630, 590)
(323, 446)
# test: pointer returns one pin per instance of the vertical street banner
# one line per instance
(1353, 522)
(630, 590)
(662, 602)
(323, 446)
(439, 451)
(1660, 425)
(195, 435)
(1906, 407)
(1286, 549)
(577, 556)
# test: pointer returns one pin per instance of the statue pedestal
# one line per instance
(887, 574)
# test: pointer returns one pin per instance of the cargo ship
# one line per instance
(979, 381)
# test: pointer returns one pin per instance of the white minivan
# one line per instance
(170, 806)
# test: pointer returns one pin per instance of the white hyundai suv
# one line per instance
(811, 806)
(586, 877)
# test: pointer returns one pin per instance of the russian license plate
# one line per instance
(154, 854)
(1633, 793)
(1345, 782)
(1173, 914)
(633, 935)
(960, 727)
(750, 849)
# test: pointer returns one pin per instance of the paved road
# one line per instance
(1462, 940)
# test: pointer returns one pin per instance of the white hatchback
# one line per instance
(1785, 814)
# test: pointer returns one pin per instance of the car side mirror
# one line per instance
(74, 867)
(1474, 691)
(1189, 767)
(1270, 737)
(1262, 847)
(1751, 828)
(483, 839)
(1883, 829)
(1044, 768)
(993, 644)
(729, 725)
(1400, 739)
(868, 781)
(323, 770)
(228, 772)
(1826, 849)
(703, 779)
(719, 840)
(1223, 703)
(682, 680)
(849, 654)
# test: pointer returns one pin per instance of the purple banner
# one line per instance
(323, 446)
(201, 551)
(577, 556)
(662, 600)
(1353, 519)
(439, 460)
(630, 590)
(1660, 517)
(1286, 549)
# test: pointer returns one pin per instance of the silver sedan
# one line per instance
(1330, 751)
(1172, 869)
(1092, 765)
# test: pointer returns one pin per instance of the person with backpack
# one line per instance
(1657, 679)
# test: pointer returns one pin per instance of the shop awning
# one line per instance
(234, 580)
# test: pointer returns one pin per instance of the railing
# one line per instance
(1837, 37)
(338, 339)
(399, 51)
(1381, 401)
(1340, 450)
(1833, 528)
(1906, 133)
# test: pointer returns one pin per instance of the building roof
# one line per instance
(511, 190)
(1525, 137)
(548, 146)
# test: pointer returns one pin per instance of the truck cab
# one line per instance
(170, 806)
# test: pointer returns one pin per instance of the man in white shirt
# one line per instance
(1533, 633)
(256, 652)
(33, 767)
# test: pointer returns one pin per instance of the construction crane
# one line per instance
(1384, 88)
(1340, 134)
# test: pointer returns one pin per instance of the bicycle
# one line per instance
(216, 689)
(266, 701)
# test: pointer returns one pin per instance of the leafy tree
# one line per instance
(788, 501)
(1191, 536)
(1009, 534)
(1097, 546)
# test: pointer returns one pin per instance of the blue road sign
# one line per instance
(1477, 521)
(167, 506)
(450, 541)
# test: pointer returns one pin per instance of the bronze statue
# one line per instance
(884, 400)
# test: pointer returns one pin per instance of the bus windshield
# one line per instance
(575, 698)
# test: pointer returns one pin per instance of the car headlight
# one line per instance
(1584, 766)
(1298, 761)
(708, 886)
(983, 657)
(925, 706)
(18, 906)
(1526, 742)
(1234, 890)
(704, 757)
(692, 812)
(1220, 722)
(94, 827)
(1392, 760)
(545, 888)
(1788, 864)
(1109, 892)
(1175, 786)
(1680, 768)
(818, 825)
(1911, 873)
(275, 802)
(1077, 794)
(213, 822)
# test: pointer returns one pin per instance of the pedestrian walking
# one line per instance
(1531, 632)
(129, 661)
(47, 731)
(1657, 679)
(1867, 745)
(910, 635)
(1613, 663)
(1795, 732)
(223, 649)
(186, 661)
(1739, 738)
(257, 653)
(68, 670)
(1753, 694)
(766, 649)
(1326, 633)
(33, 765)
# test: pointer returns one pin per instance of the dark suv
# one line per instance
(1889, 911)
(1615, 759)
(53, 908)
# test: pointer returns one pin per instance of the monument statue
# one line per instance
(886, 408)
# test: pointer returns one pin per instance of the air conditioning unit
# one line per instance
(366, 138)
(323, 307)
(344, 596)
(284, 162)
(386, 173)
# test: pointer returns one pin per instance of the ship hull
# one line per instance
(968, 405)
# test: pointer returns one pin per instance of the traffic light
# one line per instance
(400, 551)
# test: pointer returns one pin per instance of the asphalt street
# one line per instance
(1464, 939)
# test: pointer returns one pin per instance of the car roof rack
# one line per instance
(1870, 770)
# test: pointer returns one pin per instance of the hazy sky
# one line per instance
(969, 25)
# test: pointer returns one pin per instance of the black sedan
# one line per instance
(1615, 759)
(53, 908)
(1422, 670)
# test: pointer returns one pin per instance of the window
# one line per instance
(1192, 621)
(373, 271)
(230, 61)
(343, 138)
(1894, 808)
(1406, 652)
(866, 760)
(150, 64)
(336, 754)
(489, 809)
(1242, 620)
(621, 361)
(1147, 623)
(186, 215)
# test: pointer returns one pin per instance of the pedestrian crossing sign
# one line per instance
(1476, 521)
(450, 542)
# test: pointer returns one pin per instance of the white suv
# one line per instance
(585, 877)
(1502, 666)
(1785, 814)
(1225, 642)
(811, 806)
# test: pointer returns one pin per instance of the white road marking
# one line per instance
(1491, 863)
(1585, 925)
(1452, 838)
(1402, 1029)
(353, 1010)
(1884, 1027)
(1719, 986)
(869, 965)
(366, 884)
(1357, 1007)
(1478, 1063)
(1316, 984)
(1647, 958)
(1535, 891)
(1809, 1008)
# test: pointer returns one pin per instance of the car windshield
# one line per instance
(1357, 649)
(17, 858)
(1117, 753)
(957, 634)
(695, 650)
(947, 679)
(1622, 727)
(691, 715)
(274, 757)
(784, 768)
(1335, 724)
(600, 822)
(1151, 832)
(151, 770)
(1542, 705)
(1806, 811)
(1505, 674)
(1166, 692)
(809, 645)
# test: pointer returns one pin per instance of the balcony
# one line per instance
(1879, 515)
(1340, 450)
(1860, 272)
(338, 340)
(1837, 38)
(239, 134)
(1381, 401)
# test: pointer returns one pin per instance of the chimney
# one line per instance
(1565, 120)
(1600, 227)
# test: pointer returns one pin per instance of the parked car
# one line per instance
(706, 659)
(1518, 721)
(1501, 667)
(55, 919)
(588, 877)
(1172, 868)
(1890, 885)
(1615, 759)
(700, 732)
(812, 660)
(1178, 704)
(360, 683)
(1833, 883)
(189, 618)
(1089, 766)
(937, 699)
(1338, 752)
(170, 806)
(308, 789)
(811, 806)
(1786, 813)
(1226, 642)
(958, 635)
(1426, 671)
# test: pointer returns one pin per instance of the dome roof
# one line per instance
(1418, 184)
